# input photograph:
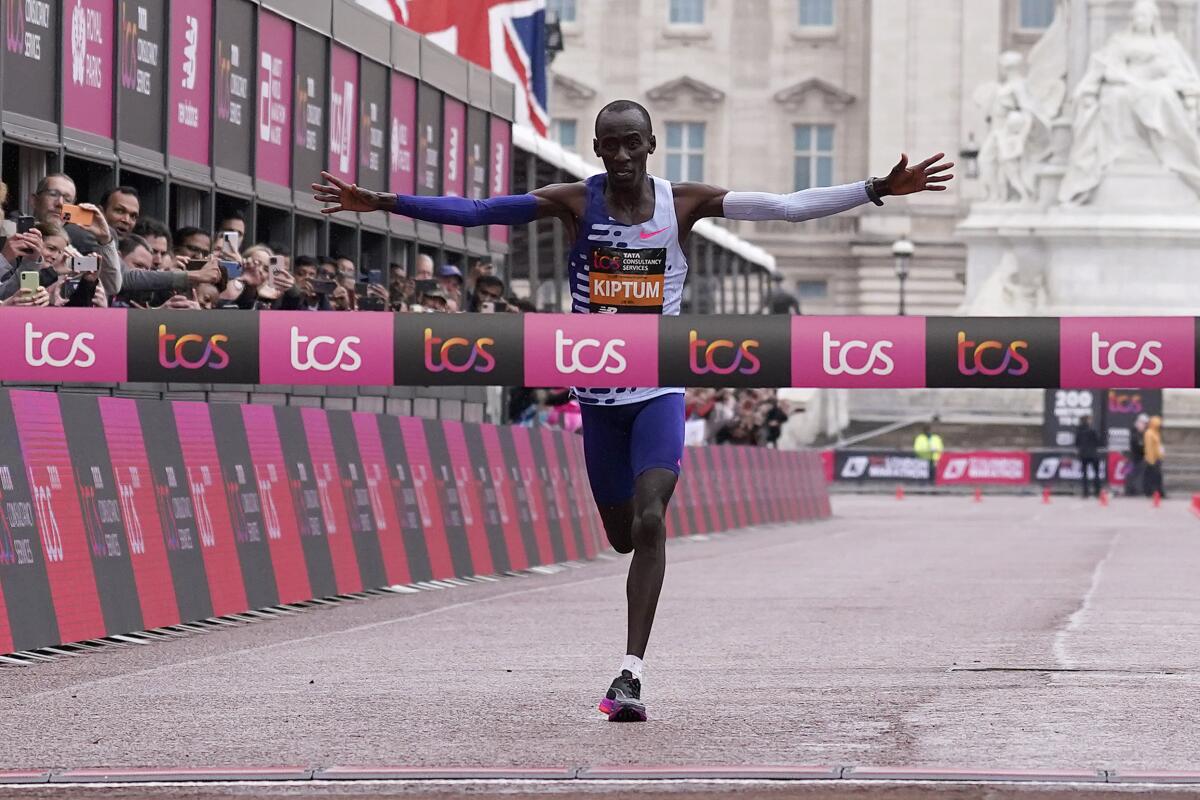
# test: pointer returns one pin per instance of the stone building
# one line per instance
(777, 95)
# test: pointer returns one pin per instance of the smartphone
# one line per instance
(31, 281)
(77, 215)
(25, 224)
(232, 268)
(487, 307)
(426, 285)
(232, 239)
(68, 288)
(85, 264)
(375, 276)
(196, 263)
(323, 286)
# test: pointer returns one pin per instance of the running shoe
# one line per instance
(623, 702)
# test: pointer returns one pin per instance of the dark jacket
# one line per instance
(1137, 444)
(1087, 441)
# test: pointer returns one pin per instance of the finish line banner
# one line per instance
(594, 351)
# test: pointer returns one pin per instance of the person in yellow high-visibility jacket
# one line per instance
(928, 446)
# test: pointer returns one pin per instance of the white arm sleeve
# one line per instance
(795, 207)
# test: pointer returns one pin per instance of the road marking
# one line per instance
(1075, 621)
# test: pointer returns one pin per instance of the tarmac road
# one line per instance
(929, 632)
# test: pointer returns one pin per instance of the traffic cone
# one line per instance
(1196, 504)
(899, 492)
(1104, 498)
(978, 495)
(1046, 495)
(1158, 499)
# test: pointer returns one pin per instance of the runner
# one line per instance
(629, 230)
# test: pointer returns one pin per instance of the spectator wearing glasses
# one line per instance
(158, 239)
(52, 192)
(192, 242)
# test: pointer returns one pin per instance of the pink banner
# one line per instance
(346, 349)
(501, 168)
(1150, 352)
(343, 113)
(190, 82)
(562, 348)
(983, 467)
(273, 160)
(454, 152)
(88, 68)
(858, 352)
(401, 177)
(63, 344)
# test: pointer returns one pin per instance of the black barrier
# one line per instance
(282, 347)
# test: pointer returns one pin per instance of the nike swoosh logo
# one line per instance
(652, 234)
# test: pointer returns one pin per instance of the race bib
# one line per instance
(627, 281)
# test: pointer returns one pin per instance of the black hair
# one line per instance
(149, 226)
(233, 213)
(304, 261)
(617, 106)
(489, 280)
(118, 190)
(186, 232)
(130, 243)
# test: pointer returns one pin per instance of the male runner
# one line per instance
(633, 438)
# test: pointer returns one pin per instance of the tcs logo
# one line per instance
(305, 353)
(174, 351)
(439, 354)
(835, 357)
(571, 356)
(1105, 359)
(39, 352)
(703, 356)
(973, 359)
(606, 262)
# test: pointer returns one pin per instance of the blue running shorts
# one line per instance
(621, 442)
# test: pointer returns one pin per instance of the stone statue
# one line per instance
(1141, 91)
(1019, 110)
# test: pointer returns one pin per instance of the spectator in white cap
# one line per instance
(1137, 456)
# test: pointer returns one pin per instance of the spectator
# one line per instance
(479, 268)
(1087, 445)
(424, 268)
(1153, 472)
(488, 295)
(928, 446)
(450, 278)
(52, 192)
(303, 296)
(1137, 456)
(435, 300)
(346, 269)
(121, 207)
(158, 239)
(192, 242)
(776, 417)
(235, 221)
(144, 285)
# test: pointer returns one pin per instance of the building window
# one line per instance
(816, 13)
(1036, 14)
(563, 9)
(687, 12)
(564, 132)
(812, 290)
(814, 156)
(685, 151)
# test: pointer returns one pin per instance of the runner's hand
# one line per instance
(347, 196)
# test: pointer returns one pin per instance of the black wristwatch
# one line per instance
(873, 193)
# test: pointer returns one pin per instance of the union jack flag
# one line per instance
(506, 36)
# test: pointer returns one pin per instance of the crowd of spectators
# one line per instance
(61, 253)
(739, 416)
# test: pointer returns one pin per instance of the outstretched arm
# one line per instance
(711, 201)
(559, 200)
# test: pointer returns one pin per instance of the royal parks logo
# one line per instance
(459, 349)
(193, 346)
(724, 351)
(992, 352)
